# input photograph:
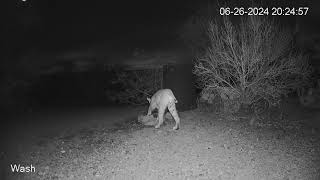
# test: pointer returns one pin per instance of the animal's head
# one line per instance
(149, 100)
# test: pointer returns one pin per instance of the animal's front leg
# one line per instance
(149, 110)
(160, 117)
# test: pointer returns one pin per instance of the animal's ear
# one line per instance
(148, 99)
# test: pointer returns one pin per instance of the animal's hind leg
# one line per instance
(174, 113)
(160, 116)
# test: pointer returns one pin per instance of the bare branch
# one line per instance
(250, 61)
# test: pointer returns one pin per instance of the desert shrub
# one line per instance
(253, 62)
(133, 86)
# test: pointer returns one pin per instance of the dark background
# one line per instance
(40, 35)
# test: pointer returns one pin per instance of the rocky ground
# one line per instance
(111, 144)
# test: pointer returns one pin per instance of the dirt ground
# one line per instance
(111, 144)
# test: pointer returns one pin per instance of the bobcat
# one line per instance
(162, 100)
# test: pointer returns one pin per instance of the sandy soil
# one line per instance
(85, 145)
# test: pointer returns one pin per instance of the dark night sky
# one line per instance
(53, 25)
(76, 22)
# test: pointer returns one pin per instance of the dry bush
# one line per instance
(136, 85)
(253, 62)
